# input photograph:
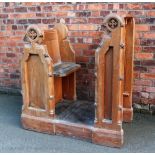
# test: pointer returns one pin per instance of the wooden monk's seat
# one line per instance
(60, 51)
(65, 68)
(63, 59)
(49, 79)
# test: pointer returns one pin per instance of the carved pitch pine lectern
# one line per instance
(49, 84)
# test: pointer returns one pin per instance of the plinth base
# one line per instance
(127, 114)
(75, 119)
(85, 132)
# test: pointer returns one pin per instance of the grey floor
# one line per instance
(139, 135)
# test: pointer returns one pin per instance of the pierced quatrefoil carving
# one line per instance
(32, 33)
(113, 23)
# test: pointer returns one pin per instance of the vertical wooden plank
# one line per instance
(50, 85)
(117, 40)
(128, 76)
(99, 86)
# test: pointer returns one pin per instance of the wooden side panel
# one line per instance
(99, 83)
(109, 88)
(128, 76)
(37, 82)
(36, 79)
(108, 71)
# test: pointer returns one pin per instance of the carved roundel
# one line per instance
(112, 21)
(33, 33)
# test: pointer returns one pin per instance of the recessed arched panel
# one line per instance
(108, 72)
(36, 82)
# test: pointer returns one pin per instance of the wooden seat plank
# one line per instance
(65, 68)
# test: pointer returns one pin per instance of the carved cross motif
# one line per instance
(113, 23)
(32, 34)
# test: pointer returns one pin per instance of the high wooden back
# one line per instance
(52, 43)
(66, 51)
(58, 46)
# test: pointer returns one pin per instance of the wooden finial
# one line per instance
(61, 29)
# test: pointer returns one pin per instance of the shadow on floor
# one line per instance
(82, 112)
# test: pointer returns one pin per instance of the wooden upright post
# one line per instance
(128, 75)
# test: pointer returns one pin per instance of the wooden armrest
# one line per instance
(65, 68)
